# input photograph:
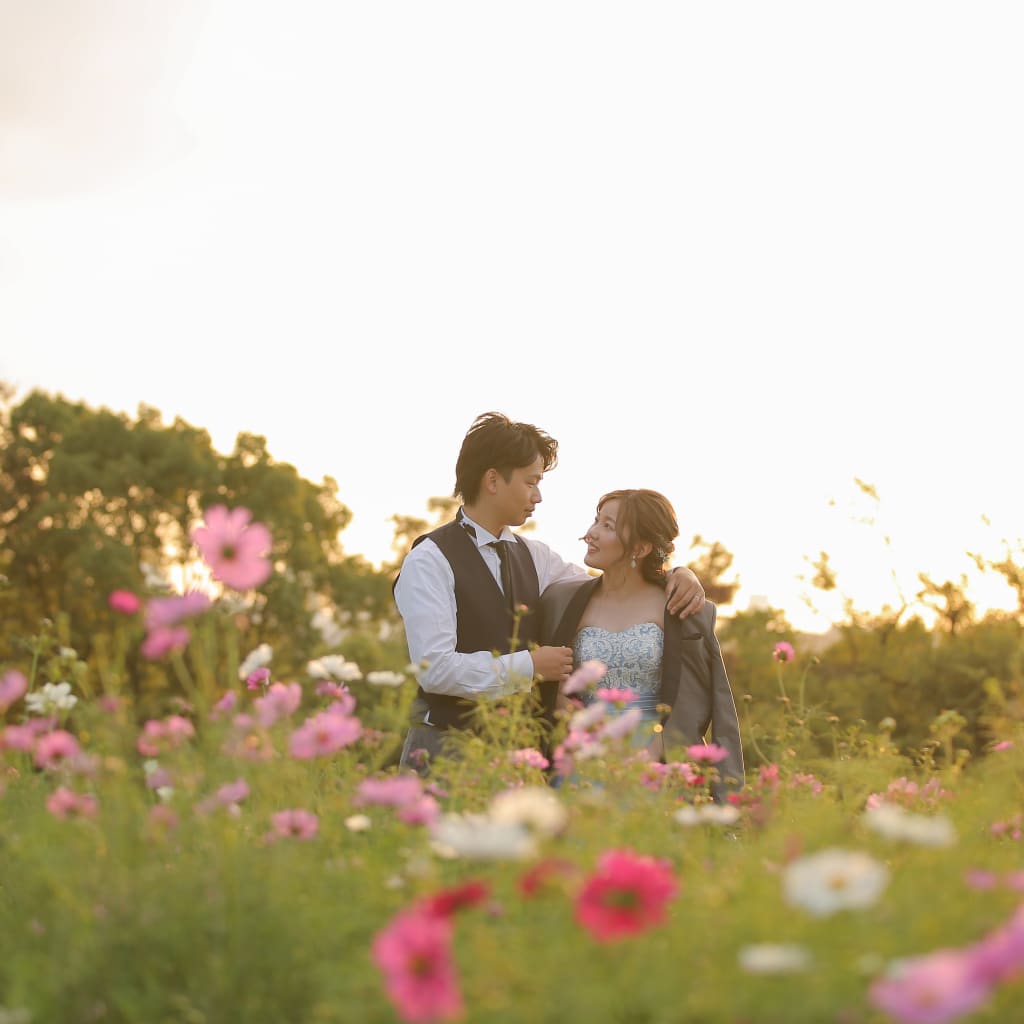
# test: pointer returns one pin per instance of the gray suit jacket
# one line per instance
(694, 683)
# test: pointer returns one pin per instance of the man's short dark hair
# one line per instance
(496, 442)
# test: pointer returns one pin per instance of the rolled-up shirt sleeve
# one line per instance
(425, 595)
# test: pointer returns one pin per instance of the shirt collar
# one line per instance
(483, 536)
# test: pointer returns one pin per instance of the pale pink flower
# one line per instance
(225, 705)
(56, 748)
(170, 611)
(235, 549)
(124, 602)
(621, 726)
(783, 651)
(1003, 745)
(164, 640)
(530, 757)
(64, 803)
(707, 753)
(12, 686)
(161, 735)
(163, 817)
(294, 824)
(930, 989)
(979, 878)
(233, 792)
(999, 956)
(414, 953)
(396, 791)
(627, 894)
(280, 701)
(18, 737)
(323, 734)
(587, 675)
(424, 811)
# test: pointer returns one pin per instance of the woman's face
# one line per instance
(604, 549)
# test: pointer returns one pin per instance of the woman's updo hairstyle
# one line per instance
(646, 516)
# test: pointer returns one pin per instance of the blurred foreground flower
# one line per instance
(12, 686)
(897, 822)
(627, 894)
(774, 958)
(235, 549)
(834, 879)
(414, 953)
(51, 698)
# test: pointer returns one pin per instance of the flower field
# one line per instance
(250, 852)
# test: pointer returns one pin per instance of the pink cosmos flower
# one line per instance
(587, 675)
(294, 824)
(931, 989)
(530, 757)
(396, 791)
(170, 611)
(414, 953)
(161, 735)
(610, 696)
(56, 748)
(979, 878)
(64, 803)
(18, 737)
(999, 956)
(225, 705)
(1003, 745)
(280, 701)
(124, 602)
(12, 686)
(323, 734)
(627, 894)
(233, 792)
(257, 677)
(424, 811)
(234, 549)
(783, 651)
(164, 640)
(707, 753)
(163, 818)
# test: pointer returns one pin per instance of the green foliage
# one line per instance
(96, 501)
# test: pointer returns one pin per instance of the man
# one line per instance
(467, 591)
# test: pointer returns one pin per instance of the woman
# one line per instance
(673, 667)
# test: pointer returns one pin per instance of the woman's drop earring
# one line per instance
(632, 562)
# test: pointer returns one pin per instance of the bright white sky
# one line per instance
(738, 252)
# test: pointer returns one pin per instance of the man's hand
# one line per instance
(684, 592)
(553, 663)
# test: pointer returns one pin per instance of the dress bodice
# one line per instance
(632, 656)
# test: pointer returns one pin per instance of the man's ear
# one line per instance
(491, 481)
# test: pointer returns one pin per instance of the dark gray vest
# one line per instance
(483, 621)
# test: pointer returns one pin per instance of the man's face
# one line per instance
(518, 497)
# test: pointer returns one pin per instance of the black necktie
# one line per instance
(501, 546)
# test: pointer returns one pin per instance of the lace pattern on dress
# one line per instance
(633, 656)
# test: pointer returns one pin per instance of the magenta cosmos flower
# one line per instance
(414, 953)
(235, 549)
(124, 602)
(627, 894)
(783, 651)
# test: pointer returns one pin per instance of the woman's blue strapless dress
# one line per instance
(633, 657)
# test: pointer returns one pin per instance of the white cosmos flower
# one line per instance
(834, 879)
(477, 837)
(334, 666)
(384, 678)
(707, 814)
(357, 823)
(536, 807)
(774, 958)
(258, 658)
(52, 697)
(897, 822)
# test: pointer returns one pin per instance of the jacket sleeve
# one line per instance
(725, 722)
